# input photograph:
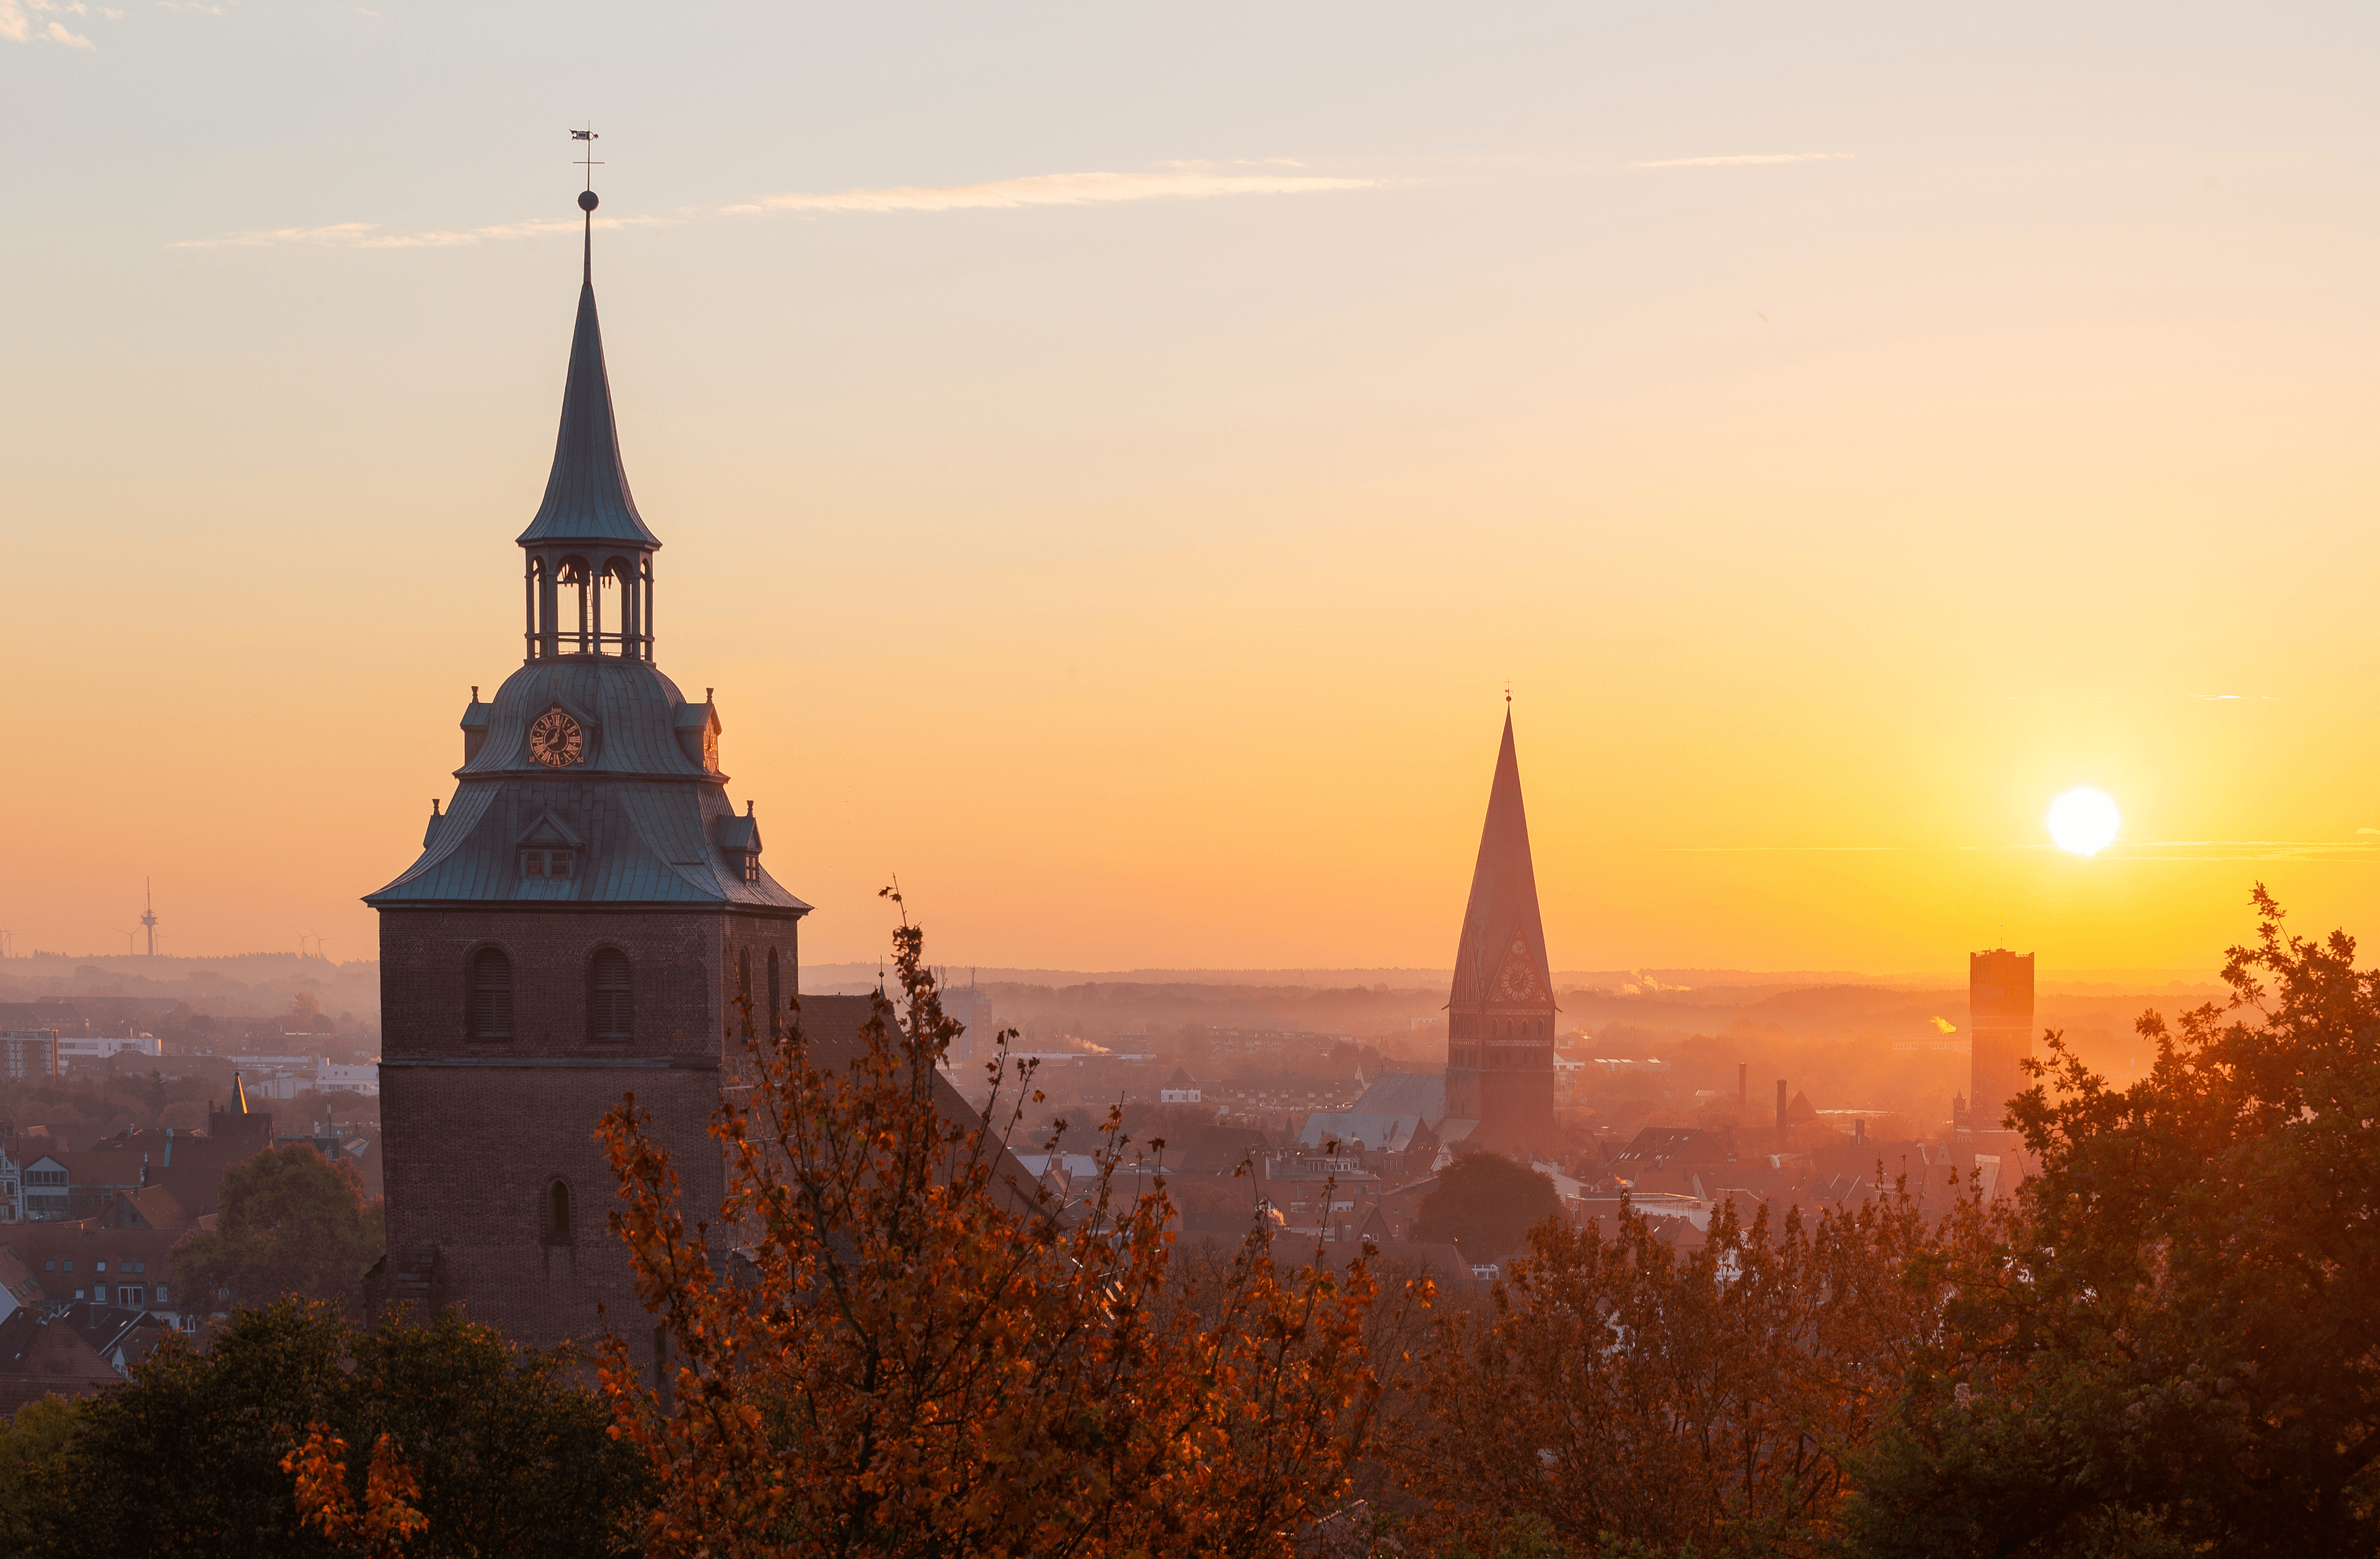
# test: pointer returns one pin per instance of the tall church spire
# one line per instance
(586, 496)
(1500, 1013)
(588, 538)
(1502, 959)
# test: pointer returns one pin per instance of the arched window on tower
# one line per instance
(492, 994)
(611, 1007)
(556, 1214)
(744, 980)
(776, 1001)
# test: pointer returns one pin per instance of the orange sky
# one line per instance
(1135, 568)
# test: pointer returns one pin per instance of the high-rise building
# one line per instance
(1999, 1031)
(589, 918)
(1499, 1044)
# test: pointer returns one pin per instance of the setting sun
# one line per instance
(2083, 820)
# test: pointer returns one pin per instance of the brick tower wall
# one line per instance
(476, 1131)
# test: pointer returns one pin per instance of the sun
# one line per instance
(2084, 820)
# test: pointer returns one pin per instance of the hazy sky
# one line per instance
(1112, 458)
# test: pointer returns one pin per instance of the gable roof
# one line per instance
(833, 1029)
(17, 1279)
(1422, 1095)
(1379, 1133)
(1680, 1145)
(39, 1355)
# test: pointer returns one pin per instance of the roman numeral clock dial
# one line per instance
(556, 740)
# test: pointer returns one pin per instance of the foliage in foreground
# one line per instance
(1619, 1395)
(913, 1352)
(291, 1223)
(2165, 1344)
(1486, 1204)
(507, 1453)
(2179, 1351)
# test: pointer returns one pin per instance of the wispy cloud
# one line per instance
(17, 21)
(1749, 160)
(1174, 181)
(369, 236)
(1179, 181)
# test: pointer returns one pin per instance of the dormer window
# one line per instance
(739, 841)
(545, 863)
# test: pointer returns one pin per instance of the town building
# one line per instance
(1999, 1033)
(1501, 1014)
(27, 1053)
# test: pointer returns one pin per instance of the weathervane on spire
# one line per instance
(587, 197)
(589, 162)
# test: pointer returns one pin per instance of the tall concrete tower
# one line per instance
(1999, 1027)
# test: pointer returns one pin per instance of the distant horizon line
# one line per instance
(1666, 979)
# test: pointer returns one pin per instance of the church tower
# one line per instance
(1499, 1030)
(585, 912)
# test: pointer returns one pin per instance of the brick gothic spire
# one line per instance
(1500, 1013)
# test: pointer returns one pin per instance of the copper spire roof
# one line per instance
(586, 498)
(1501, 960)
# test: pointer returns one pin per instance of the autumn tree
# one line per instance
(1620, 1392)
(2179, 1351)
(291, 1222)
(1487, 1204)
(496, 1449)
(889, 1341)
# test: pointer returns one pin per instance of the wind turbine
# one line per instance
(127, 942)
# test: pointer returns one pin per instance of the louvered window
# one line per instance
(492, 994)
(612, 1013)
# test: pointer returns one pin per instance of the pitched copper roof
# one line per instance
(587, 497)
(649, 824)
(1502, 959)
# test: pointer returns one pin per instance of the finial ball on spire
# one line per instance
(587, 200)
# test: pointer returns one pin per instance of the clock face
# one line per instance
(556, 740)
(1519, 983)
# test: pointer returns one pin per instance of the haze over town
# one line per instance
(1334, 782)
